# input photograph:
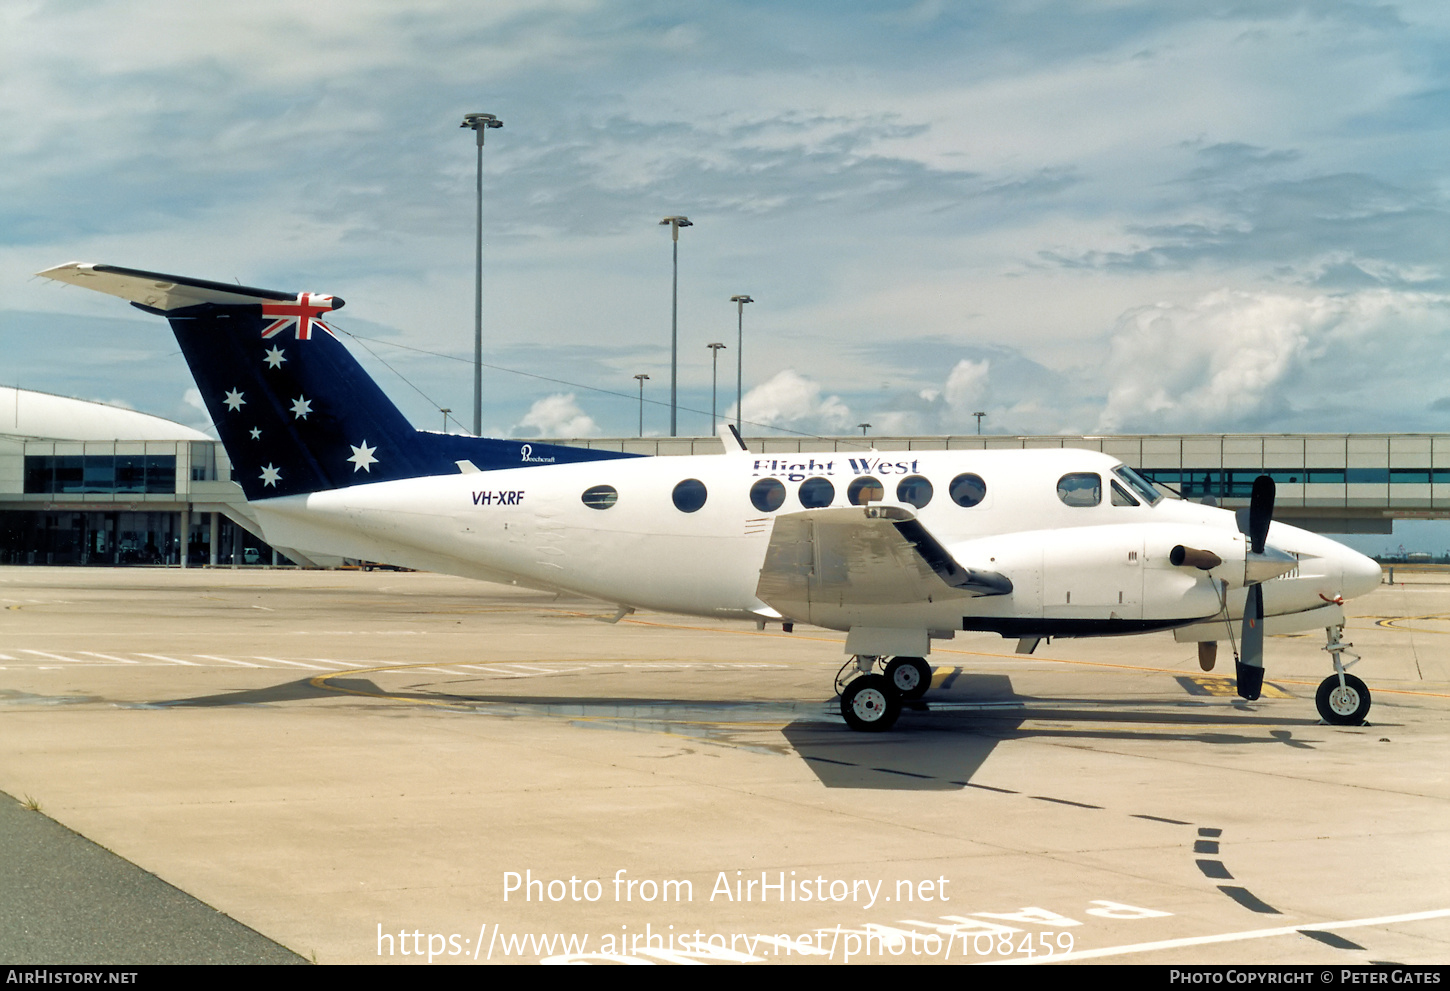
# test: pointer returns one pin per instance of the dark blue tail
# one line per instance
(297, 413)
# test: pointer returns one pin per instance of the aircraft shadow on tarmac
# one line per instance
(938, 745)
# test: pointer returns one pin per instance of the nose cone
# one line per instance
(1361, 575)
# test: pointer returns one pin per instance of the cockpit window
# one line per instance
(1121, 497)
(1139, 484)
(1080, 488)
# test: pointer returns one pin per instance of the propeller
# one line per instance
(1250, 665)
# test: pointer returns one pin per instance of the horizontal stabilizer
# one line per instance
(157, 291)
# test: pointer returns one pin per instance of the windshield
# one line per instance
(1138, 484)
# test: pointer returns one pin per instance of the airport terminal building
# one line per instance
(88, 483)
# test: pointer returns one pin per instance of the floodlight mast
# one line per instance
(480, 123)
(739, 302)
(675, 224)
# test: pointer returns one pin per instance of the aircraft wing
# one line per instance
(158, 291)
(879, 555)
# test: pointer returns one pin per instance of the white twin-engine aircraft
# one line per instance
(895, 549)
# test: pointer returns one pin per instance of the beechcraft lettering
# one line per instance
(894, 551)
(514, 498)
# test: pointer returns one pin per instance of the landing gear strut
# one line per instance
(1342, 699)
(871, 702)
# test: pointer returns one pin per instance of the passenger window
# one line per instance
(689, 495)
(864, 490)
(600, 496)
(1080, 488)
(816, 493)
(914, 491)
(967, 490)
(767, 495)
(1121, 497)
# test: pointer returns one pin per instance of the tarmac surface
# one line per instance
(406, 768)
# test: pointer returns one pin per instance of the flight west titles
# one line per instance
(799, 471)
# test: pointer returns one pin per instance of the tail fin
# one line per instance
(293, 408)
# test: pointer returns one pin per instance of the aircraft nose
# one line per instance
(1361, 574)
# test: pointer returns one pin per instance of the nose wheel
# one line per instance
(1342, 699)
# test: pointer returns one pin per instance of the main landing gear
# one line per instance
(1342, 699)
(871, 702)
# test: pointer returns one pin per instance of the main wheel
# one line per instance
(869, 704)
(910, 676)
(1342, 705)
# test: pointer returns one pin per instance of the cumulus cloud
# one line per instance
(556, 416)
(790, 399)
(1276, 361)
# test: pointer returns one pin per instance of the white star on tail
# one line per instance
(271, 475)
(362, 457)
(256, 433)
(235, 401)
(301, 406)
(274, 358)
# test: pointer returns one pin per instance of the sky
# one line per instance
(1074, 217)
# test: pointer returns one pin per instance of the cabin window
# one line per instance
(1121, 497)
(816, 493)
(1080, 488)
(600, 496)
(689, 495)
(914, 491)
(863, 490)
(967, 490)
(767, 495)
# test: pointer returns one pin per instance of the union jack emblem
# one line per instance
(303, 312)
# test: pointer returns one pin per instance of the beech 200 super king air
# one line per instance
(895, 549)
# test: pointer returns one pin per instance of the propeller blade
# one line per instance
(1250, 666)
(1261, 512)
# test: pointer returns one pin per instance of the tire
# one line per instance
(910, 676)
(870, 705)
(1346, 706)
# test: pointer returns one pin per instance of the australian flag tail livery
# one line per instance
(294, 409)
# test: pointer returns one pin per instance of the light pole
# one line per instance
(445, 411)
(714, 377)
(675, 224)
(739, 302)
(642, 380)
(480, 123)
(979, 422)
(863, 427)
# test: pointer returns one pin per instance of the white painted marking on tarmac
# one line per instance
(6, 657)
(339, 664)
(53, 657)
(1173, 944)
(228, 660)
(107, 657)
(169, 660)
(295, 664)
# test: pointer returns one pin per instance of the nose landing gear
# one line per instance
(1342, 699)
